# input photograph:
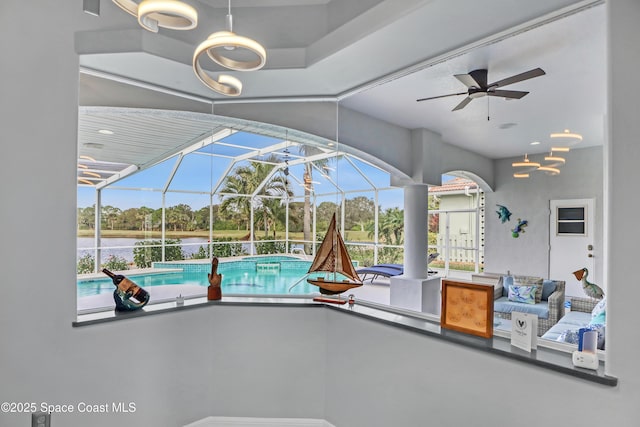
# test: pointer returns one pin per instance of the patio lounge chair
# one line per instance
(389, 270)
(385, 270)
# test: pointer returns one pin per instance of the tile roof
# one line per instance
(456, 184)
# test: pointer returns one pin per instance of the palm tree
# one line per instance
(307, 178)
(244, 181)
(111, 214)
(391, 225)
(238, 206)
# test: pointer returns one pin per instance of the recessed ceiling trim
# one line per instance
(126, 80)
(495, 38)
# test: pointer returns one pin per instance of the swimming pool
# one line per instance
(250, 275)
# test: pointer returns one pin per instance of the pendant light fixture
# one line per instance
(549, 170)
(567, 134)
(565, 140)
(225, 84)
(153, 14)
(215, 45)
(526, 163)
(218, 42)
(555, 160)
(524, 167)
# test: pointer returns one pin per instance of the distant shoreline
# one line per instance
(358, 236)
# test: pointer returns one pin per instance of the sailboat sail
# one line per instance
(332, 256)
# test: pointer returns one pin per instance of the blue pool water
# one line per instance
(251, 275)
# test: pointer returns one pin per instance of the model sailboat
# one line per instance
(332, 257)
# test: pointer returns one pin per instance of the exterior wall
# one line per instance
(462, 226)
(580, 178)
(369, 375)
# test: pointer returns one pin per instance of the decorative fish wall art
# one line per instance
(504, 214)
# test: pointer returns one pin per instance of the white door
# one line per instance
(571, 239)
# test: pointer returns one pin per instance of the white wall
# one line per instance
(176, 368)
(380, 376)
(580, 178)
(386, 377)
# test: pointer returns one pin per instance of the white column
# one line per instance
(416, 231)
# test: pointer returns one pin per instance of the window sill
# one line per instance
(544, 357)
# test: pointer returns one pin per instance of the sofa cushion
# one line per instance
(503, 305)
(530, 281)
(599, 314)
(548, 287)
(572, 336)
(523, 294)
(573, 320)
(507, 281)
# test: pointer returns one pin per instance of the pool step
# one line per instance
(268, 267)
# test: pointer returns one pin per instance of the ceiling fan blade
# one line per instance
(536, 72)
(476, 78)
(441, 96)
(512, 94)
(462, 104)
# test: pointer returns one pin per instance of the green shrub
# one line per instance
(86, 264)
(116, 263)
(265, 248)
(362, 254)
(147, 251)
(390, 256)
(203, 253)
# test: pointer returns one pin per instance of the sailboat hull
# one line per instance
(328, 287)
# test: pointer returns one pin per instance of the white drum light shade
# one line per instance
(152, 14)
(217, 42)
(170, 14)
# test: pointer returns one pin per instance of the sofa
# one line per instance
(585, 313)
(545, 298)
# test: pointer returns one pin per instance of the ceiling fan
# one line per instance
(476, 82)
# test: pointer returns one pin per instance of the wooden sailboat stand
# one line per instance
(330, 300)
(332, 257)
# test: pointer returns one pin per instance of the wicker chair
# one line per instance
(556, 307)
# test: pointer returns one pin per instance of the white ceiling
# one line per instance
(571, 95)
(379, 56)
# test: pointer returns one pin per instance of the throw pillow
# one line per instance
(507, 281)
(569, 336)
(524, 294)
(572, 336)
(530, 281)
(548, 287)
(599, 313)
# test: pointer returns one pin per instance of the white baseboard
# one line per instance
(259, 422)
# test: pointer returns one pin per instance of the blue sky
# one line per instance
(199, 172)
